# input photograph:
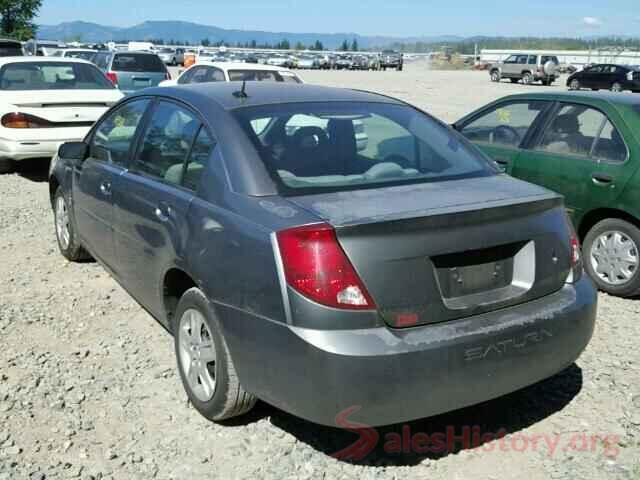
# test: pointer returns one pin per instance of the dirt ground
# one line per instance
(88, 385)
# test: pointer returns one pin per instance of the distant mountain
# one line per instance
(195, 33)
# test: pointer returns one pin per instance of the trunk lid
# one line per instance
(436, 252)
(65, 106)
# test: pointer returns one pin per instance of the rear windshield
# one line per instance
(137, 62)
(52, 76)
(262, 76)
(11, 49)
(310, 147)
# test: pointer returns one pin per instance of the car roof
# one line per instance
(594, 97)
(265, 93)
(242, 66)
(7, 60)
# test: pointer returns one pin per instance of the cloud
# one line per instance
(592, 22)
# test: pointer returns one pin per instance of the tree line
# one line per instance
(468, 46)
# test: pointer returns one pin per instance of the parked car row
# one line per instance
(361, 241)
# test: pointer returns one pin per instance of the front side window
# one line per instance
(506, 124)
(52, 76)
(573, 130)
(511, 59)
(113, 139)
(354, 145)
(166, 143)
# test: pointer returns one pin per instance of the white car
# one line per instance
(45, 102)
(205, 72)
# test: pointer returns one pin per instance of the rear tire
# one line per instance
(68, 243)
(213, 387)
(603, 255)
(6, 165)
(575, 84)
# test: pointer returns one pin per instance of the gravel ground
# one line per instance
(88, 386)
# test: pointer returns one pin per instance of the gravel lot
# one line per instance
(88, 386)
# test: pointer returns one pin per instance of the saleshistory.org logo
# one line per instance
(504, 347)
(405, 442)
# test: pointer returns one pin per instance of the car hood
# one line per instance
(419, 200)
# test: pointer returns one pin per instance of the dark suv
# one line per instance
(392, 283)
(616, 78)
(391, 59)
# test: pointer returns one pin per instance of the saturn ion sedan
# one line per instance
(46, 102)
(397, 282)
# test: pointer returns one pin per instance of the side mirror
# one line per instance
(76, 151)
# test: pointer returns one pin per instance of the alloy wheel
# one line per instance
(62, 222)
(197, 354)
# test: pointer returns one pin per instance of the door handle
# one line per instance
(601, 179)
(163, 212)
(105, 188)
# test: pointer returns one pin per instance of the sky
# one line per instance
(368, 17)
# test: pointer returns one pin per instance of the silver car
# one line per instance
(526, 67)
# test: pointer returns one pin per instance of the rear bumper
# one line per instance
(25, 149)
(401, 375)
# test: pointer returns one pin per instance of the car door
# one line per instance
(110, 147)
(500, 130)
(579, 154)
(152, 201)
(510, 66)
(592, 77)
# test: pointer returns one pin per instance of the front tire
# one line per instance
(204, 363)
(68, 243)
(616, 87)
(612, 257)
(6, 165)
(527, 78)
(495, 76)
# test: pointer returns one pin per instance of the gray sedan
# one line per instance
(391, 283)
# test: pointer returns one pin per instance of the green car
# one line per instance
(586, 146)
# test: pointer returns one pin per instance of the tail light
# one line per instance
(575, 256)
(316, 266)
(24, 120)
(113, 78)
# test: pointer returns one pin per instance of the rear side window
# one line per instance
(549, 58)
(610, 146)
(573, 130)
(198, 158)
(114, 136)
(533, 59)
(166, 143)
(137, 62)
(262, 76)
(505, 124)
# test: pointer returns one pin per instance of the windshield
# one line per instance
(347, 146)
(137, 62)
(262, 76)
(52, 76)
